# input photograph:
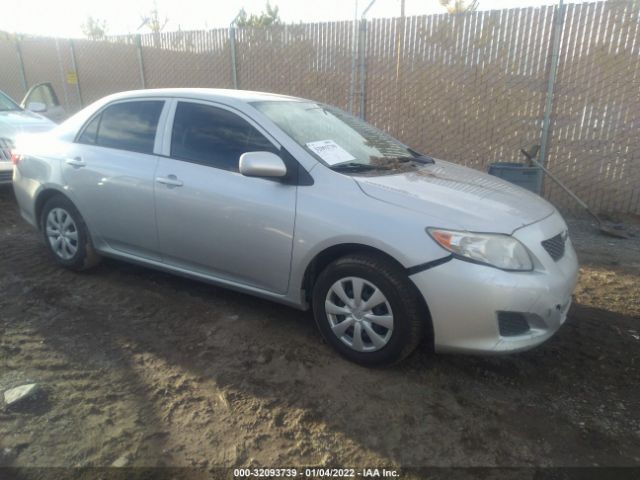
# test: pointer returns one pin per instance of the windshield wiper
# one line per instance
(419, 159)
(356, 167)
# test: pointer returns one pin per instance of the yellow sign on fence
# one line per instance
(72, 78)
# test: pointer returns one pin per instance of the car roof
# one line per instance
(215, 94)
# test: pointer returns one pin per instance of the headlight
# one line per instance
(495, 249)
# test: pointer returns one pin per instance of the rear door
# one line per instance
(110, 174)
(211, 218)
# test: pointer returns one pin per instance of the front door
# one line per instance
(43, 93)
(213, 220)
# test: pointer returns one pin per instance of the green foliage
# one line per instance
(459, 6)
(94, 28)
(269, 17)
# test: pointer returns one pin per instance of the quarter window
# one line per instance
(125, 126)
(214, 136)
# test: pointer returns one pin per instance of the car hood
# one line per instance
(15, 122)
(459, 197)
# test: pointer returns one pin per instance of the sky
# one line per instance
(63, 18)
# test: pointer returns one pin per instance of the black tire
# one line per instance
(409, 314)
(85, 256)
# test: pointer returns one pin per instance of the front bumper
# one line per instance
(464, 299)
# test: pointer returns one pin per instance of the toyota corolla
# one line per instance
(301, 203)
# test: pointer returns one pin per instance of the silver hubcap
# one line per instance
(62, 233)
(359, 314)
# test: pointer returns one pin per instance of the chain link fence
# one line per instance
(470, 88)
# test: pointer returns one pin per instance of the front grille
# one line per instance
(512, 323)
(6, 176)
(5, 149)
(555, 246)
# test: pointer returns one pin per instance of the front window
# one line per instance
(43, 93)
(7, 104)
(335, 137)
(214, 137)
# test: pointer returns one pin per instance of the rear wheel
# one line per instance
(66, 234)
(368, 310)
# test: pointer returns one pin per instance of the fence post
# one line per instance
(362, 37)
(23, 74)
(232, 45)
(362, 41)
(354, 59)
(75, 69)
(62, 77)
(143, 80)
(553, 71)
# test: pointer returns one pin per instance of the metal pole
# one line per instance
(363, 59)
(232, 45)
(143, 80)
(354, 55)
(548, 106)
(64, 81)
(399, 84)
(75, 69)
(234, 66)
(23, 74)
(400, 38)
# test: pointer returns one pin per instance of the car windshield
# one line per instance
(336, 138)
(7, 104)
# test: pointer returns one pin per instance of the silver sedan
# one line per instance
(301, 203)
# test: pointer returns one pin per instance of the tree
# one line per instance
(94, 28)
(459, 6)
(153, 21)
(269, 17)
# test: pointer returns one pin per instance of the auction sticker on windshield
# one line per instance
(330, 152)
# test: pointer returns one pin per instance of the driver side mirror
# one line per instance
(36, 107)
(262, 164)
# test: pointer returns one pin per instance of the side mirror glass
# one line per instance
(36, 107)
(262, 164)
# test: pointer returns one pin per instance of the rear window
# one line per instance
(125, 126)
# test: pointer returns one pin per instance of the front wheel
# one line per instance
(66, 234)
(368, 310)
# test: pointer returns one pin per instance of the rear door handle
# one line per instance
(170, 181)
(75, 162)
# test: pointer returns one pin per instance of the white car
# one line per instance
(39, 112)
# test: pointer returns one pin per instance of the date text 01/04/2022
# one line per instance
(315, 472)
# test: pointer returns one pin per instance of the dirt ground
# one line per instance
(149, 369)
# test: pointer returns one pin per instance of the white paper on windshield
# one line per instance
(330, 152)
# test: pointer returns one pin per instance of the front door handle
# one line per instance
(75, 162)
(170, 181)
